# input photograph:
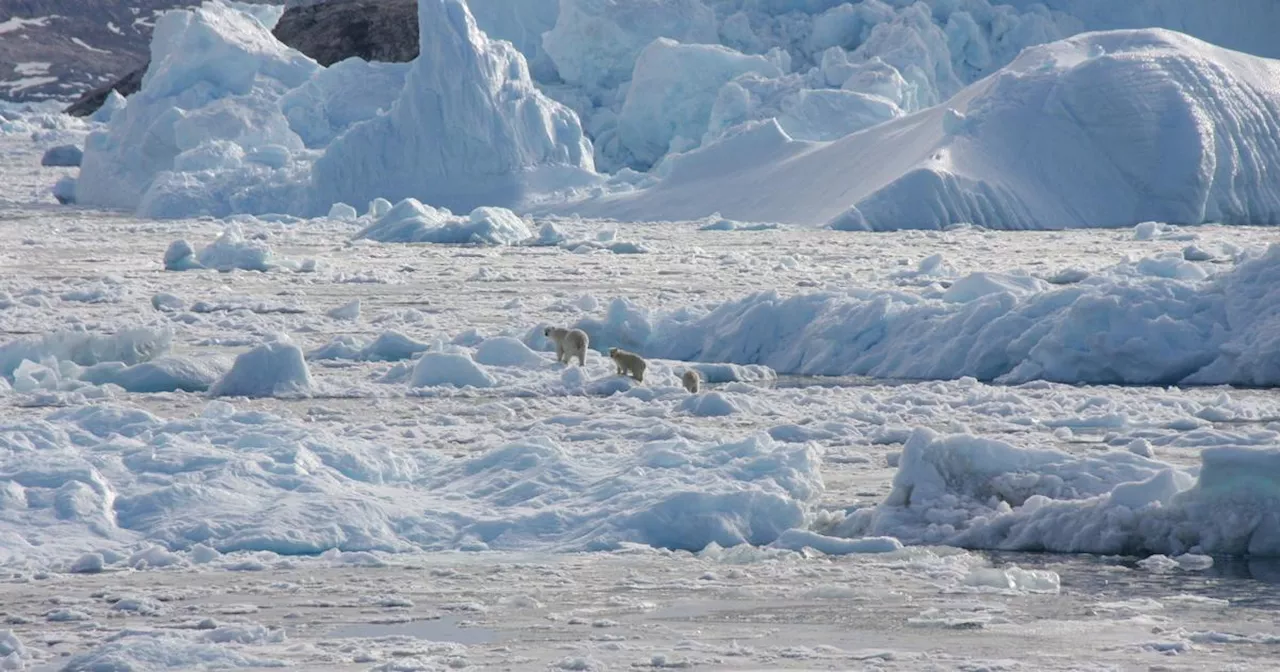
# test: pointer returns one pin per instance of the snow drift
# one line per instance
(971, 492)
(1102, 129)
(231, 481)
(1130, 328)
(469, 129)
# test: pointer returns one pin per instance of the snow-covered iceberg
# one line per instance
(469, 129)
(1108, 328)
(1102, 129)
(871, 115)
(205, 134)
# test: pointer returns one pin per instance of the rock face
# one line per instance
(375, 30)
(328, 32)
(55, 48)
(92, 101)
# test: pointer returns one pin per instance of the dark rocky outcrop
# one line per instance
(89, 103)
(53, 49)
(375, 30)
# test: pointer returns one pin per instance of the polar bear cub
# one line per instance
(628, 363)
(570, 343)
(692, 381)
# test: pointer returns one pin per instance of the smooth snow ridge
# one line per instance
(1111, 328)
(1099, 130)
(972, 492)
(231, 480)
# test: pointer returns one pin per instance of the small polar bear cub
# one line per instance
(628, 363)
(570, 343)
(692, 381)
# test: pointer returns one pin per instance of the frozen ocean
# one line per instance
(983, 297)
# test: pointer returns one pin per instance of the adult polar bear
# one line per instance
(570, 343)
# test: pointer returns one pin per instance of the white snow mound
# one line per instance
(451, 369)
(271, 369)
(412, 222)
(1099, 130)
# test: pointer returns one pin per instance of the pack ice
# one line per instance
(232, 480)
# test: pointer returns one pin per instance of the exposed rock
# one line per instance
(54, 49)
(375, 30)
(126, 86)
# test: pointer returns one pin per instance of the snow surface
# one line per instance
(202, 530)
(413, 423)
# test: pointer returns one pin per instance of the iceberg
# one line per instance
(468, 130)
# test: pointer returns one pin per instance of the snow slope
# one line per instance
(1102, 129)
(469, 128)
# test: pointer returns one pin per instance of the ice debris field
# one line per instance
(970, 287)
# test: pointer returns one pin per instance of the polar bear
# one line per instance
(692, 381)
(570, 343)
(628, 363)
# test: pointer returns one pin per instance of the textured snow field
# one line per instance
(638, 610)
(508, 608)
